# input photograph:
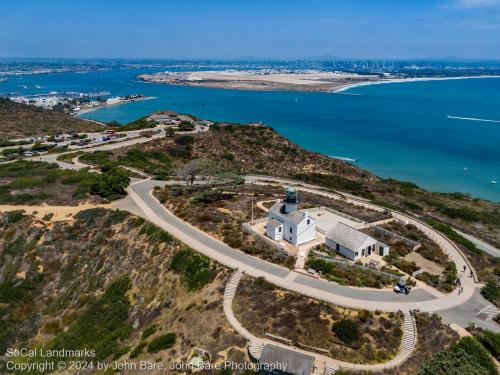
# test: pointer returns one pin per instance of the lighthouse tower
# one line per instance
(291, 200)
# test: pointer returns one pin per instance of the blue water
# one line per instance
(398, 130)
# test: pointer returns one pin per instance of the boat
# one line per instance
(493, 182)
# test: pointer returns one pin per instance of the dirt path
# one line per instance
(59, 213)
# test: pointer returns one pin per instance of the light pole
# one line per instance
(252, 209)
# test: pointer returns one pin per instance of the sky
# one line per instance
(234, 29)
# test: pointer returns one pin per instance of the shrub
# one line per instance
(15, 216)
(263, 284)
(186, 126)
(148, 331)
(102, 324)
(91, 215)
(111, 183)
(490, 341)
(346, 330)
(466, 357)
(491, 291)
(179, 152)
(194, 268)
(155, 234)
(162, 342)
(478, 352)
(138, 350)
(184, 139)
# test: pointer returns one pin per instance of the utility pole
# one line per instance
(252, 208)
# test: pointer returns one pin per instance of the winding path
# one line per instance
(454, 307)
(141, 202)
(323, 363)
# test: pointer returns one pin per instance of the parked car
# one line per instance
(401, 288)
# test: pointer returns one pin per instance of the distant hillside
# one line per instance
(21, 120)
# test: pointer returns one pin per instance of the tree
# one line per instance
(346, 330)
(197, 167)
(111, 183)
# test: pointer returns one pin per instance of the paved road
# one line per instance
(140, 193)
(470, 311)
(480, 244)
(141, 202)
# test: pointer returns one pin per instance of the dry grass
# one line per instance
(262, 308)
(69, 264)
(224, 217)
(21, 120)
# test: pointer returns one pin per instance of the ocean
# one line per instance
(443, 135)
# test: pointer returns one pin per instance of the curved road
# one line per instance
(140, 193)
(460, 309)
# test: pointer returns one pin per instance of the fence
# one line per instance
(260, 237)
(415, 245)
(346, 263)
(338, 213)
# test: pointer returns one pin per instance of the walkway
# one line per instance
(323, 364)
(386, 300)
(480, 244)
(141, 201)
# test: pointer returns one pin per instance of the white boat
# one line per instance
(493, 182)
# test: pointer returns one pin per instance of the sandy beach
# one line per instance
(123, 101)
(403, 80)
(261, 80)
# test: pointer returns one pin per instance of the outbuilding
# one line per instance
(280, 361)
(352, 243)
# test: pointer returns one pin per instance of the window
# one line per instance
(279, 229)
(337, 247)
(290, 229)
(308, 221)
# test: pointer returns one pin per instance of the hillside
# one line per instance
(245, 149)
(110, 282)
(20, 120)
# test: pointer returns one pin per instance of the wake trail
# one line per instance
(472, 119)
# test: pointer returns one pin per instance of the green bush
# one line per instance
(467, 357)
(15, 216)
(461, 213)
(184, 139)
(111, 183)
(263, 284)
(90, 215)
(148, 331)
(491, 291)
(194, 268)
(186, 126)
(491, 341)
(155, 234)
(450, 233)
(162, 342)
(346, 330)
(138, 350)
(481, 356)
(102, 325)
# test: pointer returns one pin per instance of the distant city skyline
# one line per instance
(293, 29)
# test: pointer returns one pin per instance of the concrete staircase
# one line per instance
(232, 284)
(409, 332)
(255, 350)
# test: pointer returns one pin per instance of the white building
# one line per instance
(286, 222)
(352, 243)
